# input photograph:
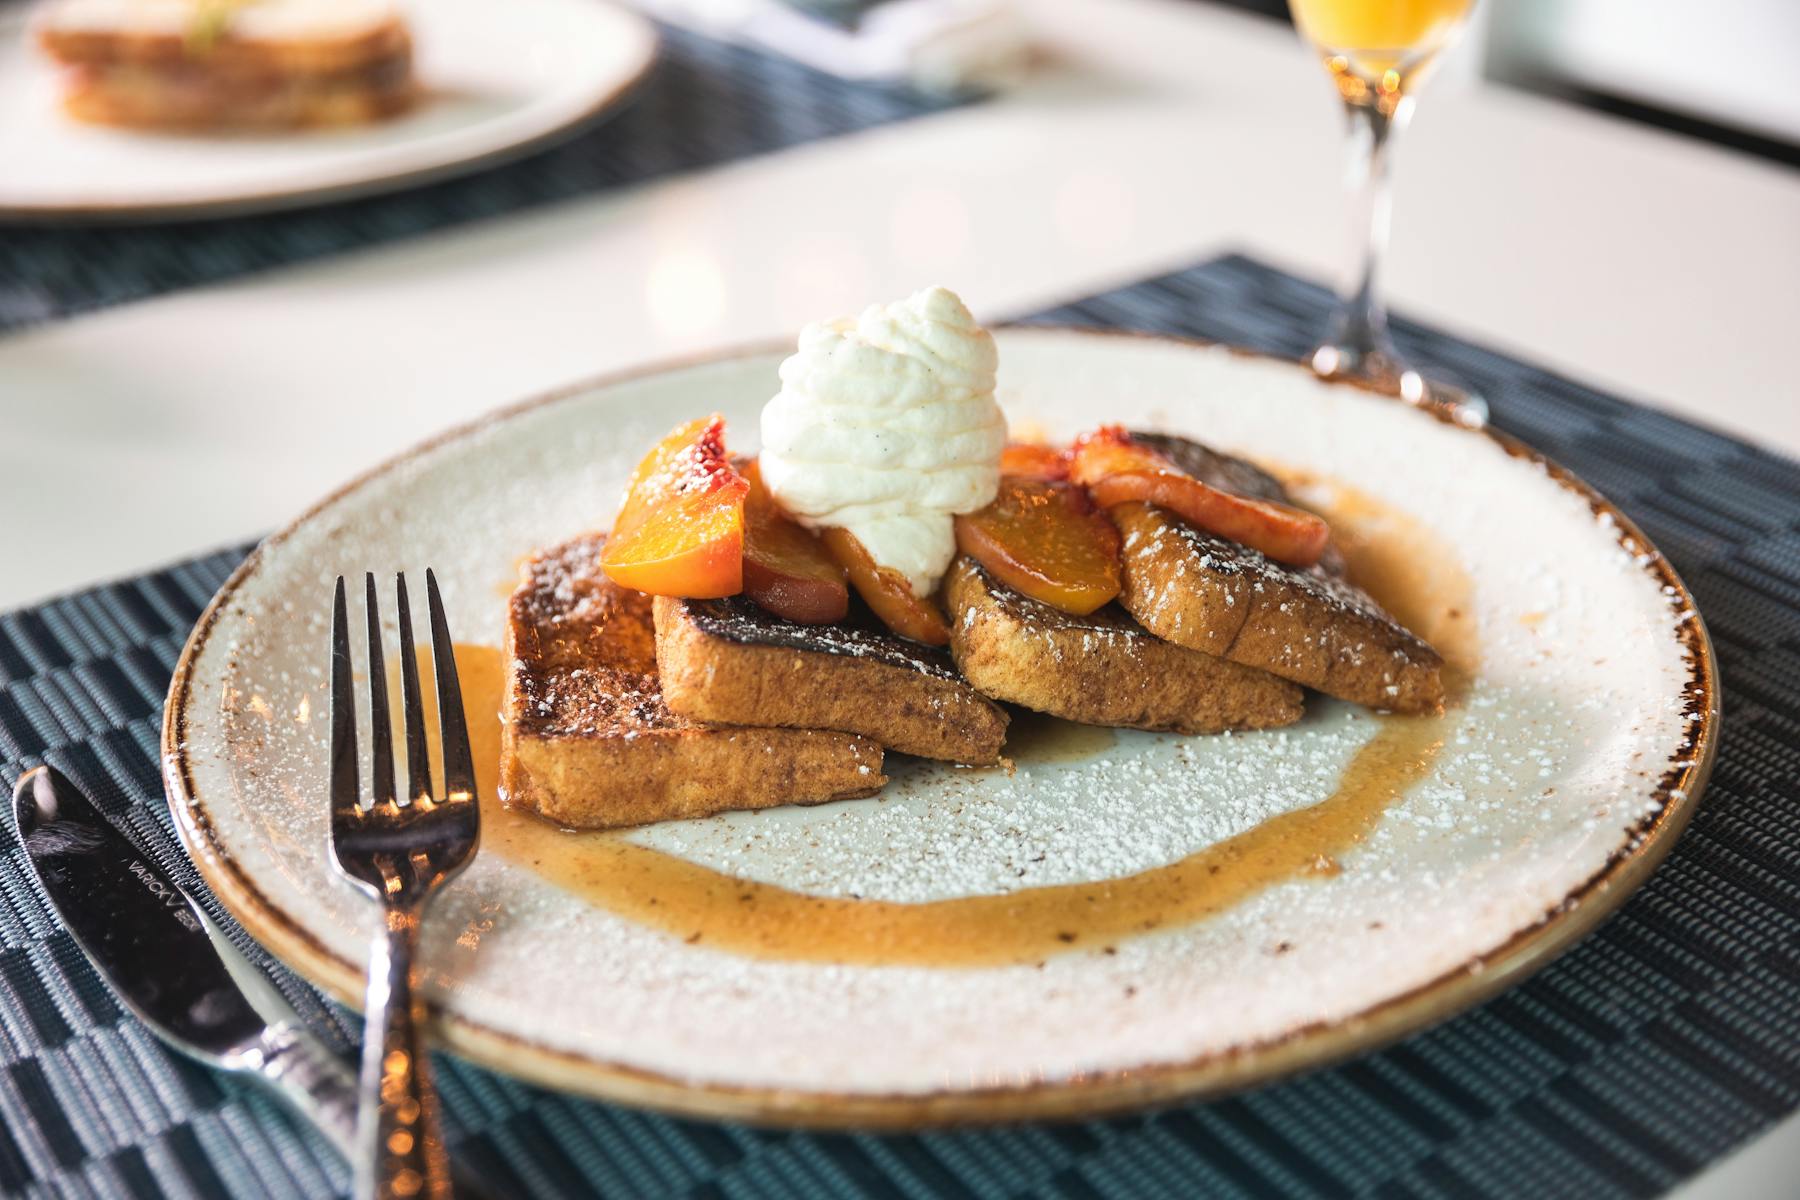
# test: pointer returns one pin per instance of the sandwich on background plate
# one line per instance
(254, 65)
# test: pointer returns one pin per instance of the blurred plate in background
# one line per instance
(499, 80)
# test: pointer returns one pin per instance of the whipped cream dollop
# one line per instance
(886, 426)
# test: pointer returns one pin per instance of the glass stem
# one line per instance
(1358, 343)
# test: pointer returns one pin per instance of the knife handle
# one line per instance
(321, 1087)
(312, 1079)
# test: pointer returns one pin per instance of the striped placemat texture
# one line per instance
(1656, 1046)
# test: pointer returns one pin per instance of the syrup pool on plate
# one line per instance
(1389, 554)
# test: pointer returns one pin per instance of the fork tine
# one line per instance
(343, 710)
(418, 758)
(381, 727)
(453, 729)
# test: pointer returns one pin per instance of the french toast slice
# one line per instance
(588, 741)
(728, 660)
(1310, 625)
(1101, 669)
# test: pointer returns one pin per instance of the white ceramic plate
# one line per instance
(1549, 791)
(500, 80)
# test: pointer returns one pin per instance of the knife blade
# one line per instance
(140, 931)
(160, 954)
(171, 967)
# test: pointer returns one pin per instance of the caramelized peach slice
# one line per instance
(1114, 469)
(680, 531)
(1046, 540)
(1034, 460)
(786, 569)
(1110, 450)
(887, 592)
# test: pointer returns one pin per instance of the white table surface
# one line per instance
(1153, 133)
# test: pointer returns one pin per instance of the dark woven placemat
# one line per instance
(1649, 1051)
(706, 102)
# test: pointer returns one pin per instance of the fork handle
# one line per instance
(400, 1151)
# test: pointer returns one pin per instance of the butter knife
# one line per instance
(167, 963)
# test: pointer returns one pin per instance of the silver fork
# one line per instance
(399, 848)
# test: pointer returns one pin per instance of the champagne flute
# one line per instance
(1379, 53)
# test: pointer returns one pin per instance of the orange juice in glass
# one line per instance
(1380, 35)
(1378, 53)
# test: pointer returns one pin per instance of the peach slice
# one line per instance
(886, 591)
(1046, 540)
(1110, 450)
(1114, 469)
(1034, 460)
(680, 531)
(786, 569)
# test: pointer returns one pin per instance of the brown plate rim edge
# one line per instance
(1529, 949)
(276, 200)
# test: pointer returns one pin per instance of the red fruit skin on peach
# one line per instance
(680, 531)
(1115, 469)
(787, 570)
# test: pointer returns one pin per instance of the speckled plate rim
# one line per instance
(279, 199)
(1581, 910)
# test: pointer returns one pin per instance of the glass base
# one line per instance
(1385, 372)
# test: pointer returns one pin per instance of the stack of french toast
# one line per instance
(725, 648)
(237, 65)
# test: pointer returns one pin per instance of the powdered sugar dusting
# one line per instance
(1546, 773)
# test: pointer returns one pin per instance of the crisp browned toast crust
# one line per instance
(1102, 669)
(1230, 474)
(587, 740)
(1311, 626)
(728, 660)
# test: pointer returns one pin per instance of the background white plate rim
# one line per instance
(607, 96)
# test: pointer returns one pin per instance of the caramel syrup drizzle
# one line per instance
(1390, 555)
